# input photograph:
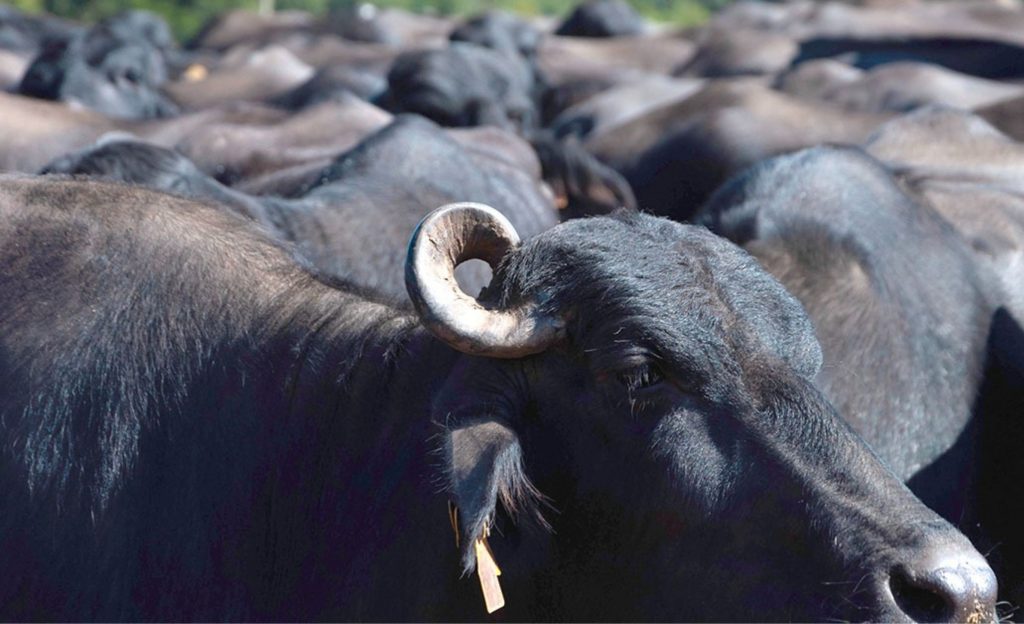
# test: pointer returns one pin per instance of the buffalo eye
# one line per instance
(640, 377)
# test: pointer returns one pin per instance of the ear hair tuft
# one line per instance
(485, 466)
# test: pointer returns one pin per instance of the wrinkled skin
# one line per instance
(692, 454)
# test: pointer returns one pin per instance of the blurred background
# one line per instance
(186, 17)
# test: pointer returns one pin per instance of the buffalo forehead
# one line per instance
(668, 281)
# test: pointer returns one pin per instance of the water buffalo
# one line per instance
(237, 27)
(674, 156)
(12, 67)
(583, 186)
(110, 68)
(197, 427)
(332, 82)
(895, 87)
(26, 33)
(970, 173)
(36, 132)
(622, 103)
(501, 31)
(512, 36)
(237, 150)
(835, 227)
(562, 59)
(360, 22)
(905, 275)
(258, 75)
(975, 38)
(463, 85)
(602, 18)
(732, 52)
(353, 223)
(415, 30)
(978, 57)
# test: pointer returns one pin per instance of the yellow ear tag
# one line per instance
(488, 572)
(196, 72)
(453, 518)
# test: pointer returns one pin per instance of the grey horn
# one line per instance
(447, 237)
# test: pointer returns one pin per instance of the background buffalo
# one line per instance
(231, 216)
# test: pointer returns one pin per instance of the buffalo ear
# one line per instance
(485, 462)
(582, 184)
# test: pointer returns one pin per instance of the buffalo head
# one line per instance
(635, 417)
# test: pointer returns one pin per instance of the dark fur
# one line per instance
(144, 164)
(511, 36)
(331, 82)
(557, 98)
(1001, 466)
(730, 53)
(583, 185)
(898, 87)
(463, 85)
(500, 31)
(968, 173)
(977, 57)
(142, 26)
(195, 428)
(899, 304)
(675, 156)
(115, 67)
(355, 222)
(23, 32)
(360, 21)
(602, 18)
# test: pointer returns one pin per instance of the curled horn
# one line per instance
(447, 237)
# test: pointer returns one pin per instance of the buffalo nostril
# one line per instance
(947, 585)
(920, 603)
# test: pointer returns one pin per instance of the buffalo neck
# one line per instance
(355, 444)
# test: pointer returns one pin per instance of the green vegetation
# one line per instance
(187, 16)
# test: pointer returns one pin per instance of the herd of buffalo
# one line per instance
(384, 316)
